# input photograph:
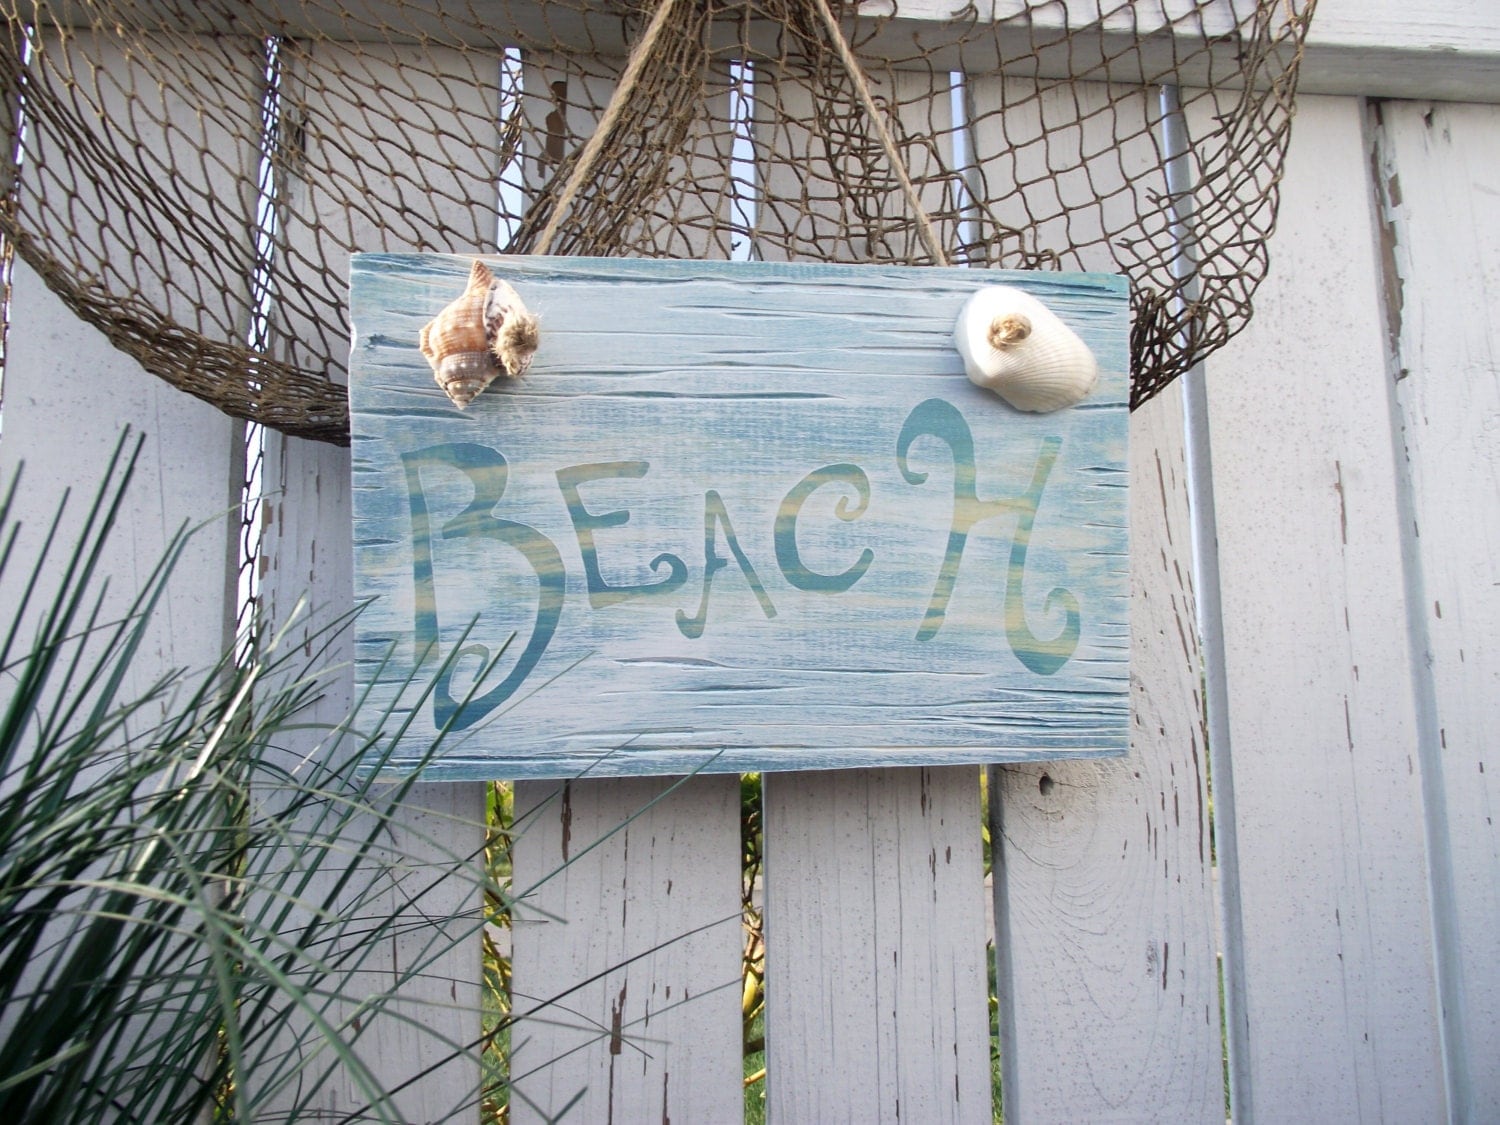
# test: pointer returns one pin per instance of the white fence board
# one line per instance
(875, 985)
(841, 962)
(308, 553)
(1099, 135)
(309, 546)
(659, 1055)
(1338, 1019)
(813, 153)
(1103, 876)
(1448, 49)
(1441, 174)
(629, 953)
(431, 183)
(68, 395)
(1103, 887)
(153, 243)
(688, 213)
(68, 392)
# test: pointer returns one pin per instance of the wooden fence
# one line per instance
(1330, 657)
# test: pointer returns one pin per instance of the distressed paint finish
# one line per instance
(626, 938)
(68, 396)
(875, 988)
(1331, 989)
(1440, 178)
(1105, 935)
(655, 886)
(903, 568)
(422, 1040)
(413, 1036)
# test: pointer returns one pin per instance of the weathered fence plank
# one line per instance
(68, 395)
(68, 392)
(308, 554)
(1393, 48)
(1337, 1019)
(819, 198)
(627, 949)
(833, 1045)
(1100, 135)
(1103, 873)
(437, 189)
(1439, 175)
(875, 991)
(309, 545)
(657, 1036)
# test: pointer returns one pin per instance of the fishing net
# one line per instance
(192, 175)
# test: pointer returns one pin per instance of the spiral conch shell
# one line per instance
(1019, 348)
(486, 329)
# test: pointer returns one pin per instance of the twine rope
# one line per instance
(640, 54)
(877, 120)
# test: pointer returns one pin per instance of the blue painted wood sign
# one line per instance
(735, 516)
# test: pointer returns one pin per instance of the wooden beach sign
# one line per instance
(734, 517)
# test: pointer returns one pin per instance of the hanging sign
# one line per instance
(731, 517)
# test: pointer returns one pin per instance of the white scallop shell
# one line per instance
(1017, 347)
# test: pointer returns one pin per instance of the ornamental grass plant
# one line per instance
(194, 878)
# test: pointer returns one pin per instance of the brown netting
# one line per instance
(193, 174)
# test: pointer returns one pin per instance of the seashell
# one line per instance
(1019, 348)
(511, 327)
(456, 342)
(485, 330)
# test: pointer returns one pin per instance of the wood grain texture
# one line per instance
(426, 1028)
(1105, 934)
(1105, 927)
(627, 951)
(1444, 49)
(1338, 1017)
(875, 987)
(863, 830)
(1439, 178)
(1448, 49)
(309, 552)
(700, 432)
(656, 1038)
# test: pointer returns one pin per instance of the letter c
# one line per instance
(787, 555)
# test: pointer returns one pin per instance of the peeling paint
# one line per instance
(1388, 200)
